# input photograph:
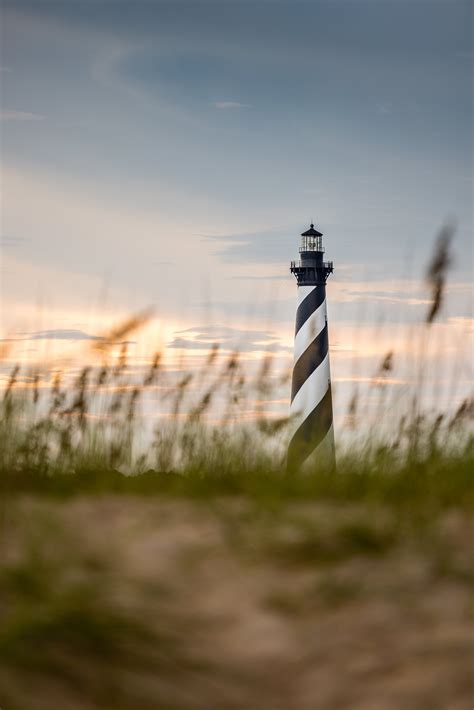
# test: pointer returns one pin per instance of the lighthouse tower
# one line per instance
(312, 435)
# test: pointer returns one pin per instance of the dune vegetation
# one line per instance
(200, 573)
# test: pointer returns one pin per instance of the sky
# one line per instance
(169, 154)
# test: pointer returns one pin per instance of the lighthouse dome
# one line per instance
(311, 232)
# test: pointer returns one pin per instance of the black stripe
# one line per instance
(309, 304)
(309, 361)
(311, 432)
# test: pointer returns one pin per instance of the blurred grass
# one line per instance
(58, 445)
(149, 601)
(124, 586)
(198, 573)
(74, 625)
(423, 485)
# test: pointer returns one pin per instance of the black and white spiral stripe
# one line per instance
(312, 440)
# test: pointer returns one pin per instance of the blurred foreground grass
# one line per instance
(135, 601)
(229, 583)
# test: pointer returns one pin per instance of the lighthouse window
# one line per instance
(311, 242)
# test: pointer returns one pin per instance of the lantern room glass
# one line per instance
(311, 243)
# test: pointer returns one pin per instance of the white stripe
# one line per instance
(304, 291)
(310, 394)
(310, 329)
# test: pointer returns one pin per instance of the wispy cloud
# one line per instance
(57, 334)
(389, 296)
(271, 245)
(204, 338)
(13, 115)
(223, 332)
(10, 241)
(230, 105)
(271, 277)
(242, 347)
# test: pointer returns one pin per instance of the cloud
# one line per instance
(389, 296)
(12, 115)
(230, 105)
(242, 347)
(57, 334)
(9, 241)
(272, 277)
(203, 338)
(263, 247)
(260, 307)
(227, 333)
(189, 344)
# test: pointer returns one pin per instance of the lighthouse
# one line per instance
(312, 434)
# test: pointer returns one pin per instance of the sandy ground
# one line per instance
(244, 608)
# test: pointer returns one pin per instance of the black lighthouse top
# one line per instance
(312, 232)
(311, 270)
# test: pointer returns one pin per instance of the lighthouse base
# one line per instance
(323, 458)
